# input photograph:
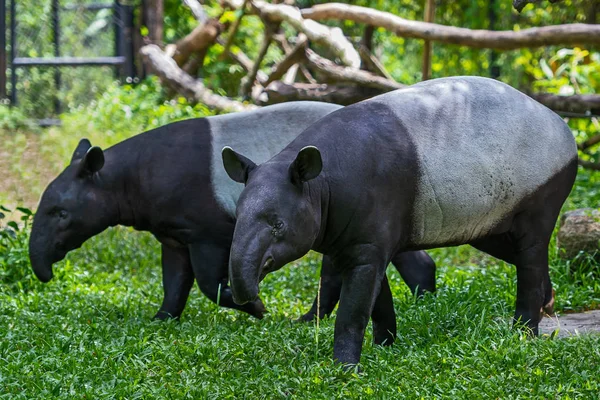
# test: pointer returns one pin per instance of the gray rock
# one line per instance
(579, 232)
(571, 324)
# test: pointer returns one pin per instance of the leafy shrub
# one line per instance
(15, 269)
(14, 119)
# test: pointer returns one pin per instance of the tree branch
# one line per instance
(331, 38)
(202, 37)
(177, 79)
(345, 74)
(197, 10)
(589, 165)
(372, 64)
(589, 143)
(578, 103)
(249, 79)
(520, 4)
(567, 34)
(294, 56)
(233, 30)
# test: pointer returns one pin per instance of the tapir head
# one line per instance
(276, 221)
(73, 208)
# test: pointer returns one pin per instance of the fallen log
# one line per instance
(181, 82)
(279, 92)
(567, 34)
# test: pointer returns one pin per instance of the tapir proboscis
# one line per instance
(170, 181)
(462, 160)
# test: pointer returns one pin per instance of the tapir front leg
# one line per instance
(210, 265)
(360, 288)
(178, 278)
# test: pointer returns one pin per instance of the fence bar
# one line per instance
(127, 40)
(3, 48)
(67, 61)
(13, 49)
(56, 29)
(118, 34)
(89, 7)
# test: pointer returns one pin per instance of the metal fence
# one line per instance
(63, 53)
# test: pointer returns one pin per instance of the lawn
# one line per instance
(88, 333)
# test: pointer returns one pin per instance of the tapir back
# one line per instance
(482, 148)
(446, 159)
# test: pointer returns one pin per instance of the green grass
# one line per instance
(88, 333)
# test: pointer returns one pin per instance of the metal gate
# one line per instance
(63, 52)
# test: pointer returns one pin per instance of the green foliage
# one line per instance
(14, 119)
(15, 271)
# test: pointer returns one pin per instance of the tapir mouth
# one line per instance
(268, 266)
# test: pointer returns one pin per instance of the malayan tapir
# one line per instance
(170, 181)
(463, 160)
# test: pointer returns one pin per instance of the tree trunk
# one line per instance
(153, 13)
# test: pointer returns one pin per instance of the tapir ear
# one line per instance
(307, 165)
(237, 166)
(82, 148)
(92, 162)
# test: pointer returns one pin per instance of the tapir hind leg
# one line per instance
(178, 279)
(525, 244)
(417, 269)
(384, 316)
(331, 286)
(210, 265)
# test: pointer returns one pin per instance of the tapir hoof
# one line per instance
(257, 309)
(165, 315)
(308, 317)
(548, 309)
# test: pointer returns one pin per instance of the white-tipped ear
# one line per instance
(236, 165)
(92, 162)
(307, 165)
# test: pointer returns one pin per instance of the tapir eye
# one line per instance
(63, 214)
(277, 228)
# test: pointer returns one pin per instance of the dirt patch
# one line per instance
(572, 324)
(24, 172)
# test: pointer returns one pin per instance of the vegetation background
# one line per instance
(88, 333)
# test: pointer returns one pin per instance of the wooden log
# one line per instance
(346, 74)
(181, 82)
(279, 92)
(567, 34)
